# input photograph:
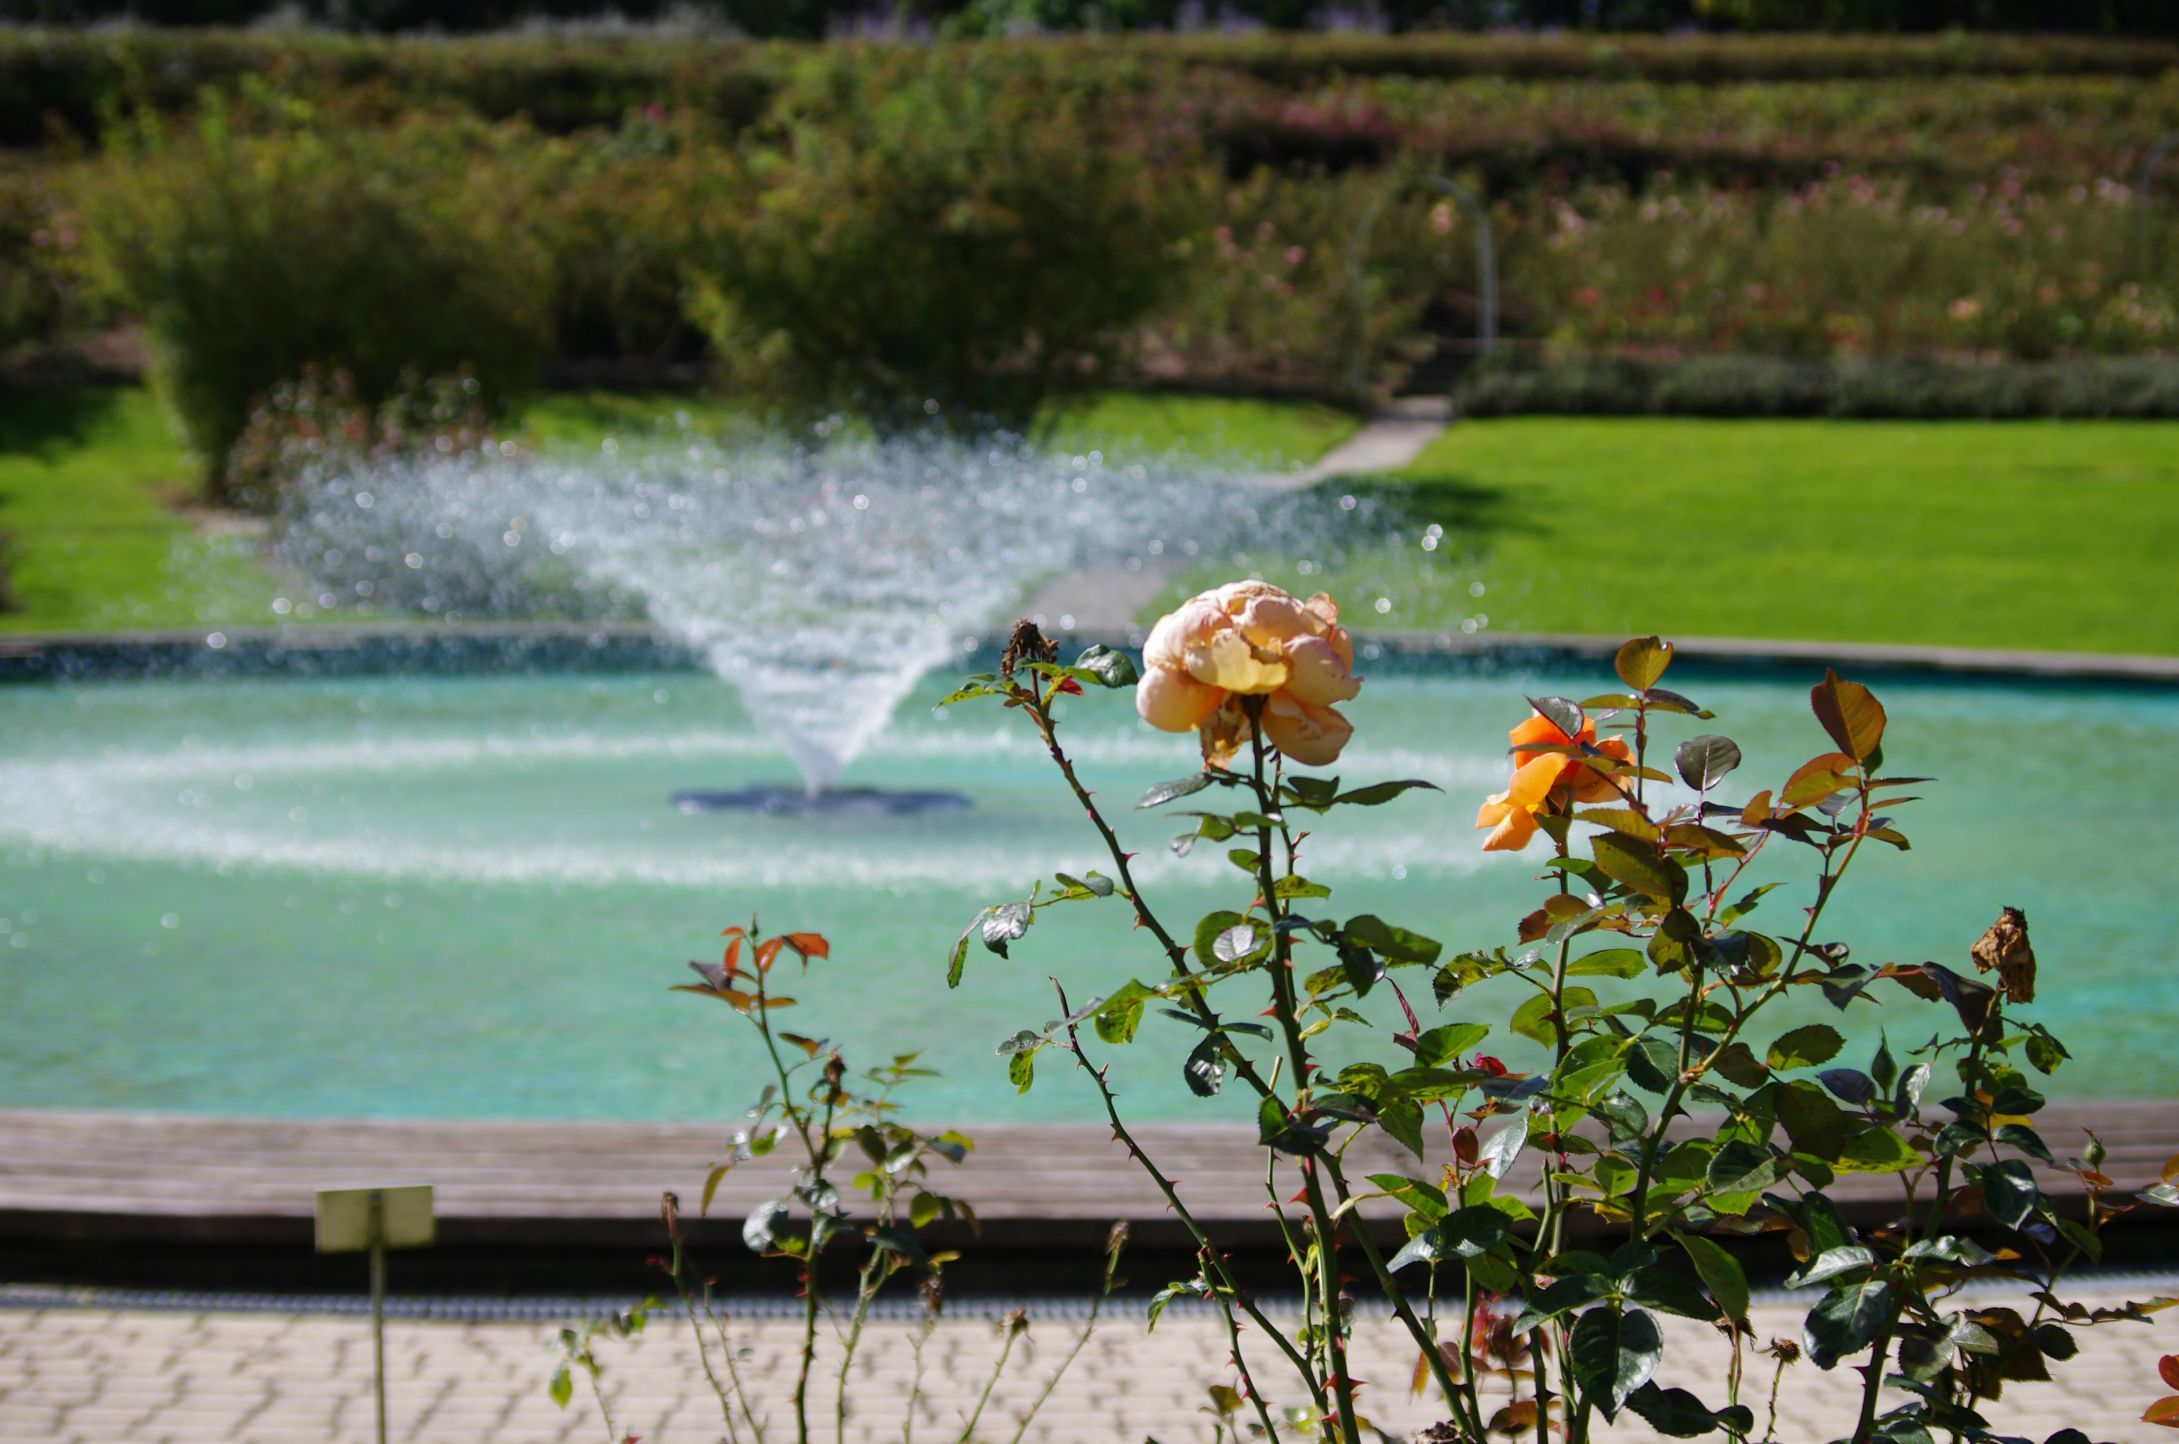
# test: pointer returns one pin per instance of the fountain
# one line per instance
(820, 578)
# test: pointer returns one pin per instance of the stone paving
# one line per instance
(91, 1375)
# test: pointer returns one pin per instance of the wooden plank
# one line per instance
(77, 1175)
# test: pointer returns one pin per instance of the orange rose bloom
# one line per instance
(1541, 777)
(1250, 639)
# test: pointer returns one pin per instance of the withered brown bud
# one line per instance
(1025, 644)
(2004, 949)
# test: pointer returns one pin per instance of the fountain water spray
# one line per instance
(820, 579)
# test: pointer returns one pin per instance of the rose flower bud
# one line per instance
(1250, 639)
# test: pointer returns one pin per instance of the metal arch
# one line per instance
(1486, 266)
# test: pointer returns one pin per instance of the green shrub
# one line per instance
(1290, 278)
(946, 246)
(2129, 388)
(250, 256)
(622, 213)
(44, 295)
(76, 78)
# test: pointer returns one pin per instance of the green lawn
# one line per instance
(2046, 535)
(2057, 535)
(89, 478)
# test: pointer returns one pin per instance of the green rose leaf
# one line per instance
(1743, 1167)
(1805, 1047)
(1211, 928)
(1445, 1044)
(1205, 1069)
(1561, 1296)
(1533, 1018)
(1851, 1258)
(1379, 793)
(1501, 1148)
(1678, 1414)
(1005, 924)
(762, 1226)
(1703, 762)
(1613, 1354)
(1393, 944)
(1426, 1199)
(1121, 1014)
(2009, 1192)
(1110, 668)
(1635, 863)
(1561, 713)
(1847, 1321)
(1164, 792)
(1720, 1273)
(1611, 963)
(1655, 1287)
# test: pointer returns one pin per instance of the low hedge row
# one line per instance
(2128, 388)
(77, 79)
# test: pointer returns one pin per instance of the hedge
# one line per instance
(77, 79)
(2124, 388)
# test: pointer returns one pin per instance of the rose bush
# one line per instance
(1662, 1118)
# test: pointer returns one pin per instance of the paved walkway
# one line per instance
(1106, 599)
(71, 1375)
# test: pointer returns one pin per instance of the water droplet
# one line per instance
(1384, 605)
(217, 641)
(414, 561)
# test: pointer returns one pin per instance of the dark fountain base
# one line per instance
(839, 802)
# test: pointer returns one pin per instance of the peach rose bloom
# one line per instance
(1541, 777)
(1250, 639)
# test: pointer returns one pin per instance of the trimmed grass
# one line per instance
(89, 478)
(1271, 435)
(2060, 536)
(86, 477)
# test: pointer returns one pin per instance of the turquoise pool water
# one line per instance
(466, 897)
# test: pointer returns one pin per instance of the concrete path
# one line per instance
(73, 1375)
(1106, 599)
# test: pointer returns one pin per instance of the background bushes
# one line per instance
(946, 246)
(43, 294)
(76, 79)
(875, 225)
(812, 17)
(1853, 267)
(251, 254)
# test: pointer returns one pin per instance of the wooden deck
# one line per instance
(78, 1177)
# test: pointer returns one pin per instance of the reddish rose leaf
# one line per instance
(1850, 713)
